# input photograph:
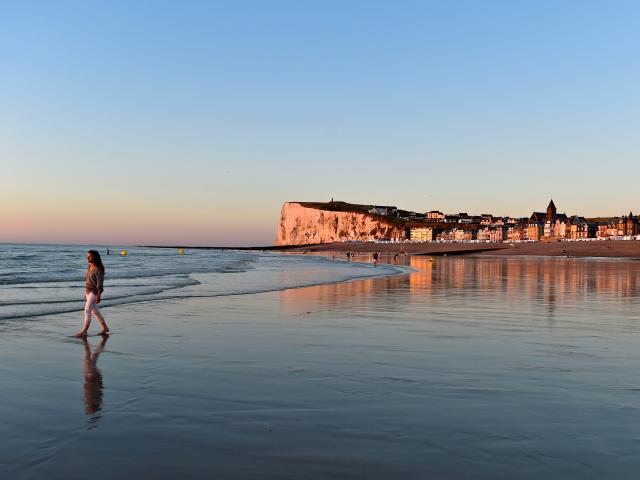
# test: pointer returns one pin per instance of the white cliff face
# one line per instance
(301, 225)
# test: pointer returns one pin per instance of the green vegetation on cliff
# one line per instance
(337, 206)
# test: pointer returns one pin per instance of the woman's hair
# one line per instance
(97, 261)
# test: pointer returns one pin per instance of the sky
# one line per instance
(157, 122)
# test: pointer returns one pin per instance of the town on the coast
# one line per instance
(540, 226)
(306, 223)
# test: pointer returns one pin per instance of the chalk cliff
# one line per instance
(305, 223)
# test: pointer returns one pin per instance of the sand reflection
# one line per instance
(93, 384)
(532, 283)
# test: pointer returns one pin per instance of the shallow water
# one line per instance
(38, 280)
(467, 368)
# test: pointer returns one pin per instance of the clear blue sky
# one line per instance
(192, 122)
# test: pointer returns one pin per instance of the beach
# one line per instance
(603, 248)
(463, 367)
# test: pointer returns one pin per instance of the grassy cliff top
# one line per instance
(337, 206)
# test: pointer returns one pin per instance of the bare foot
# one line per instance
(104, 332)
(80, 334)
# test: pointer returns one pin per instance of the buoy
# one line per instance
(181, 251)
(124, 253)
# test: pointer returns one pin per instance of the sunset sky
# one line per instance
(191, 122)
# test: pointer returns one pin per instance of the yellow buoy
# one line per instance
(181, 251)
(124, 253)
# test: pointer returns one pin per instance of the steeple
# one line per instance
(551, 211)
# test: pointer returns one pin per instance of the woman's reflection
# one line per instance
(92, 379)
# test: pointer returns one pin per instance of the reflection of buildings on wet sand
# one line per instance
(524, 283)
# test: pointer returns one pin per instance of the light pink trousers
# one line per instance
(89, 307)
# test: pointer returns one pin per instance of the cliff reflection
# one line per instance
(93, 385)
(537, 284)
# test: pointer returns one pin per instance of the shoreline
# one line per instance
(360, 247)
(602, 248)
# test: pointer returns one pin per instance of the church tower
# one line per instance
(551, 211)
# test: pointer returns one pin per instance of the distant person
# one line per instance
(349, 256)
(107, 251)
(93, 291)
(375, 258)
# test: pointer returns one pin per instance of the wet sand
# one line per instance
(393, 248)
(604, 248)
(468, 368)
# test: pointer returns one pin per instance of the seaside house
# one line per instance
(557, 228)
(383, 210)
(464, 217)
(601, 230)
(607, 229)
(517, 232)
(398, 235)
(498, 233)
(451, 218)
(578, 228)
(492, 233)
(535, 227)
(461, 235)
(445, 235)
(627, 225)
(421, 234)
(435, 216)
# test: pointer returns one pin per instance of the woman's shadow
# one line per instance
(93, 385)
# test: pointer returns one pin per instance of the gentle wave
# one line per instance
(153, 296)
(29, 290)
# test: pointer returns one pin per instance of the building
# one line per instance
(557, 227)
(579, 228)
(535, 227)
(492, 234)
(627, 225)
(398, 235)
(421, 234)
(435, 216)
(463, 217)
(462, 235)
(383, 210)
(607, 229)
(551, 211)
(486, 219)
(517, 232)
(548, 225)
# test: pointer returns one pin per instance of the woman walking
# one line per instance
(93, 290)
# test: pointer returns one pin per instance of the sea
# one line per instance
(38, 280)
(457, 367)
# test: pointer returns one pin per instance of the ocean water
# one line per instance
(461, 368)
(37, 280)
